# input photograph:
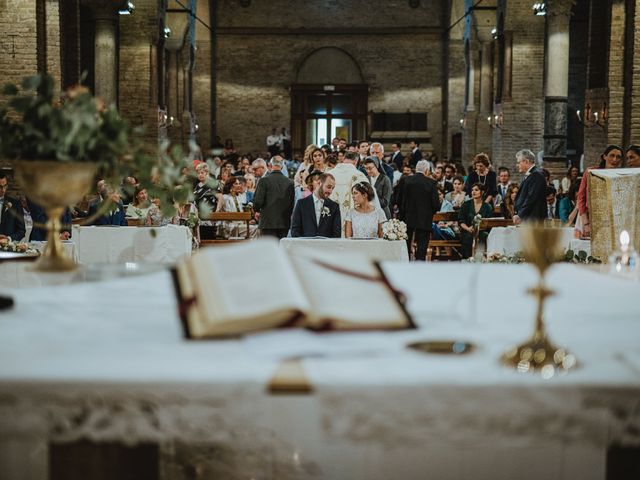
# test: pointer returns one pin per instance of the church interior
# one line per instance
(560, 78)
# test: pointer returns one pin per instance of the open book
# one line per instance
(250, 286)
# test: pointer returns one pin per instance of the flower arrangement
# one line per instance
(39, 124)
(394, 229)
(518, 257)
(7, 245)
(477, 220)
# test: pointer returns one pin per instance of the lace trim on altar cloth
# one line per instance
(409, 415)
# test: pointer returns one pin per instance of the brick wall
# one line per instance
(524, 111)
(137, 90)
(635, 94)
(256, 67)
(403, 73)
(53, 40)
(18, 32)
(328, 13)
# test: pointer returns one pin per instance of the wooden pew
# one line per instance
(444, 249)
(228, 217)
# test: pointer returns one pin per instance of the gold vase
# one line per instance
(541, 247)
(54, 186)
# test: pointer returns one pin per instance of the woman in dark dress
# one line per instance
(484, 176)
(468, 211)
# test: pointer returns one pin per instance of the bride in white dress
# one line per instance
(365, 219)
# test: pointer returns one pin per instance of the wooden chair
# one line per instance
(487, 223)
(444, 249)
(228, 217)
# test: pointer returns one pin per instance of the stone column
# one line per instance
(105, 16)
(557, 84)
(484, 132)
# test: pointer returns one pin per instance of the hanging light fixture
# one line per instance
(127, 9)
(539, 8)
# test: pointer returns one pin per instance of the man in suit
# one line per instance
(317, 215)
(11, 214)
(531, 201)
(273, 200)
(396, 155)
(116, 216)
(380, 183)
(39, 217)
(363, 151)
(416, 154)
(438, 176)
(420, 202)
(377, 150)
(503, 184)
(553, 212)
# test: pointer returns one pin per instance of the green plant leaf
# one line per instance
(9, 89)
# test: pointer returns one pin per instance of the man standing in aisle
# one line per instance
(273, 201)
(531, 201)
(420, 202)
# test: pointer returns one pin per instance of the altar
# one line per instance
(132, 244)
(506, 241)
(107, 362)
(376, 249)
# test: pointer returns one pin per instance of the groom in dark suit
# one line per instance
(531, 201)
(317, 215)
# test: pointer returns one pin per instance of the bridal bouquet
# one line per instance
(394, 230)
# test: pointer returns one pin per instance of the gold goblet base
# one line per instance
(539, 355)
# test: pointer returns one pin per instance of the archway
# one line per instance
(329, 99)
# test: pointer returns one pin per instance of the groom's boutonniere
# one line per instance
(325, 212)
(8, 205)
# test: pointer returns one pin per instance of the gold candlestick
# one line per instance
(541, 247)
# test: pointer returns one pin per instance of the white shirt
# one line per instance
(318, 204)
(372, 181)
(273, 140)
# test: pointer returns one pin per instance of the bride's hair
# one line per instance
(365, 189)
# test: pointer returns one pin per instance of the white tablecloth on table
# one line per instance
(506, 240)
(107, 362)
(132, 244)
(375, 249)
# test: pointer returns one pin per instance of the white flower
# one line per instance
(394, 230)
(325, 212)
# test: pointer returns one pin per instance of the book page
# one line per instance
(344, 300)
(245, 281)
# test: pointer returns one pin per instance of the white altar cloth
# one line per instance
(375, 249)
(506, 240)
(108, 362)
(132, 244)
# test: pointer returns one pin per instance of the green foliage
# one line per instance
(38, 124)
(580, 257)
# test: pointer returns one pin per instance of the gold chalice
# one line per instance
(541, 247)
(54, 186)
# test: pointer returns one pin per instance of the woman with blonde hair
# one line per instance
(307, 162)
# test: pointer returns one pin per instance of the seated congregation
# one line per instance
(339, 190)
